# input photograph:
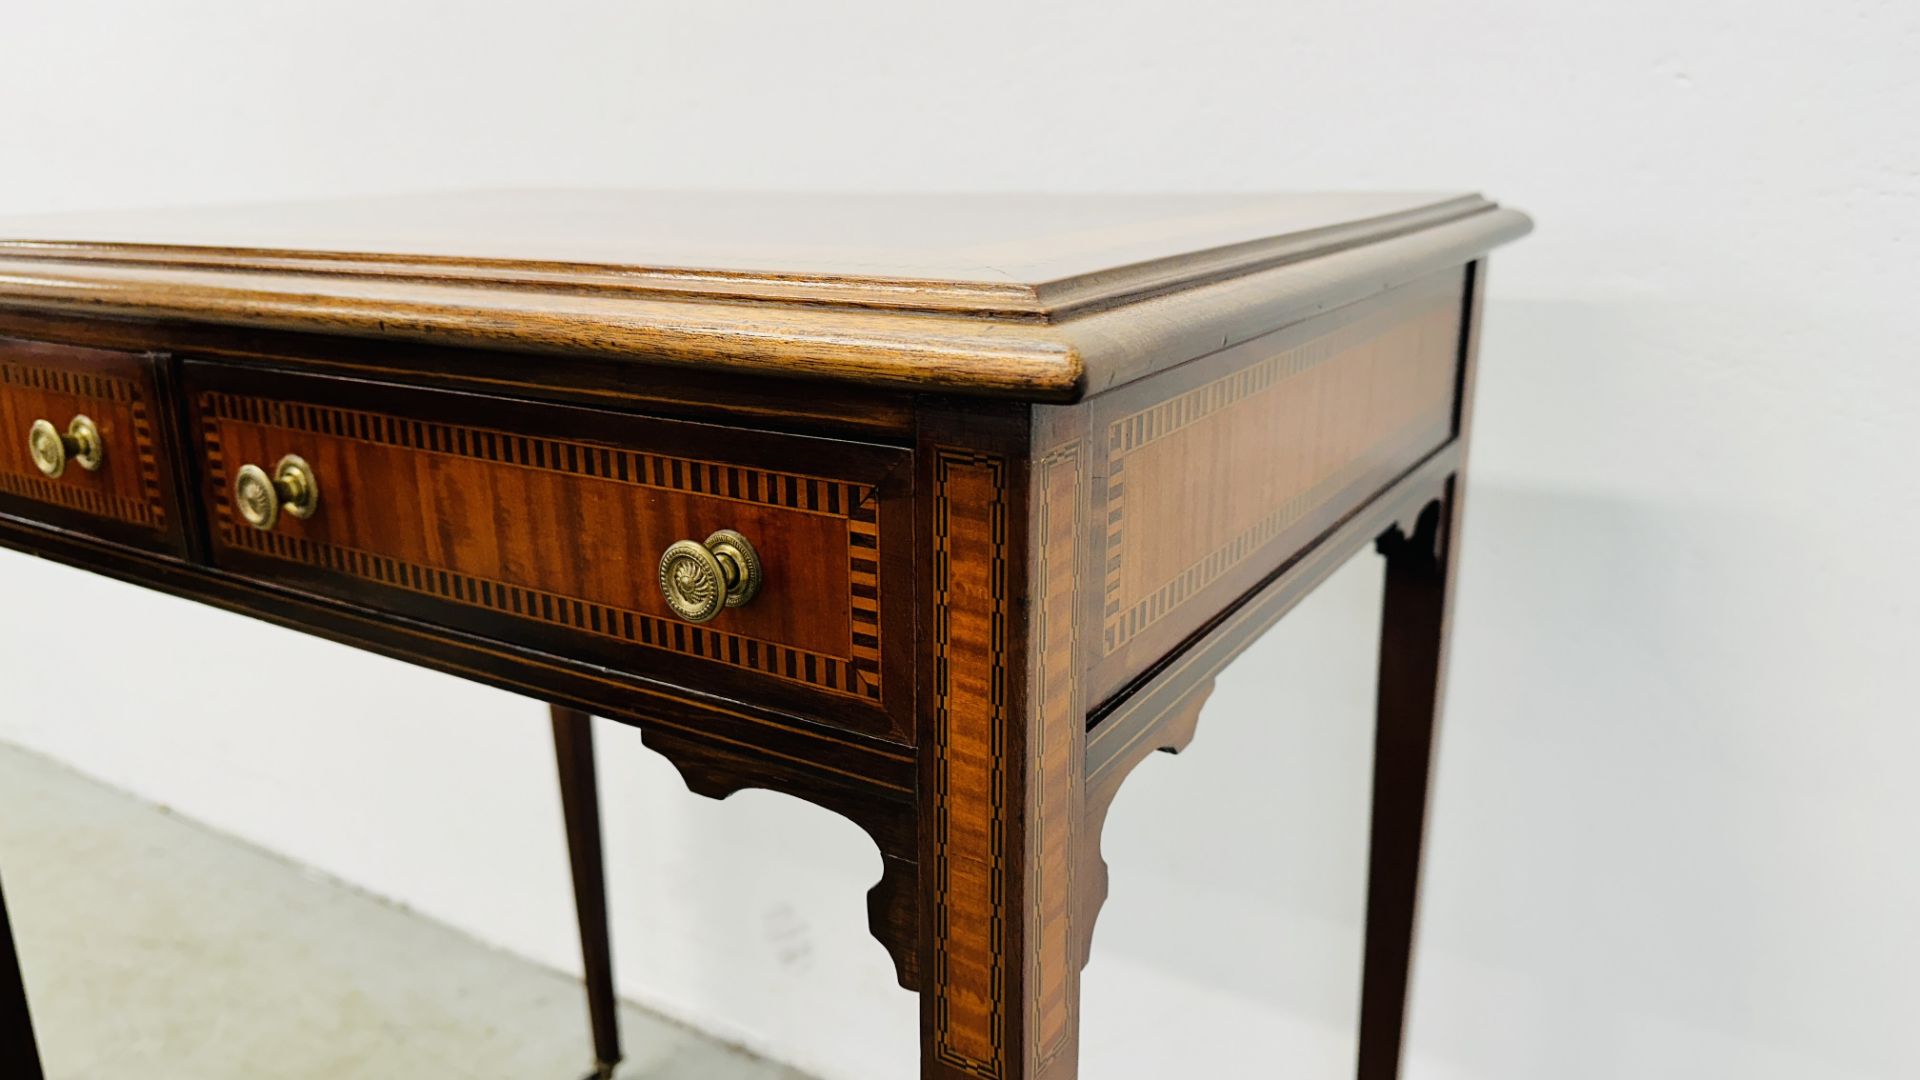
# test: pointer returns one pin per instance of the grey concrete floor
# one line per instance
(156, 948)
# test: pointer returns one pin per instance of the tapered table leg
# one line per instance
(19, 1055)
(1003, 803)
(1413, 660)
(580, 802)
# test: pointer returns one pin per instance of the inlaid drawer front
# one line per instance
(1291, 431)
(82, 446)
(547, 526)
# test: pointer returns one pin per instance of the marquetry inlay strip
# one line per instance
(1401, 415)
(971, 580)
(856, 675)
(105, 395)
(863, 566)
(1123, 625)
(84, 499)
(1059, 727)
(585, 616)
(791, 491)
(1130, 433)
(147, 447)
(55, 380)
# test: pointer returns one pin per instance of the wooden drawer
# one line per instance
(544, 525)
(130, 498)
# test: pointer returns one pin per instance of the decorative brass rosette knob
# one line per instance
(52, 451)
(699, 580)
(261, 498)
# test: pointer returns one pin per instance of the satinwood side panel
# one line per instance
(1219, 470)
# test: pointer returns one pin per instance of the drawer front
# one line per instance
(544, 526)
(130, 496)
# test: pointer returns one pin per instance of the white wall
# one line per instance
(1675, 823)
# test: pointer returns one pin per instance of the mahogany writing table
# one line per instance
(941, 512)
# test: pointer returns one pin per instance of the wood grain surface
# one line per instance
(1060, 524)
(976, 774)
(1218, 471)
(1002, 806)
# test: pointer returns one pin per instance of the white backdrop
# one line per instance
(1675, 824)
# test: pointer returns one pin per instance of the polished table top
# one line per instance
(1007, 247)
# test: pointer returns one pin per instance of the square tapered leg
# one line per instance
(580, 802)
(19, 1055)
(1413, 660)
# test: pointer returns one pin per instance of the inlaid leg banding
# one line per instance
(1003, 804)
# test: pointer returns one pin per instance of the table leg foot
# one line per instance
(1413, 646)
(580, 803)
(19, 1054)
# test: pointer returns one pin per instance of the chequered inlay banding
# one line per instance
(103, 395)
(857, 674)
(1127, 613)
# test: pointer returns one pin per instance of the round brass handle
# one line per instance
(51, 450)
(701, 579)
(291, 489)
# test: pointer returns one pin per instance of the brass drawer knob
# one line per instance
(52, 450)
(701, 579)
(262, 498)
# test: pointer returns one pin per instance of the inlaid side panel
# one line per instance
(529, 523)
(1217, 471)
(130, 497)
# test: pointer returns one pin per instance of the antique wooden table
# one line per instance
(940, 512)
